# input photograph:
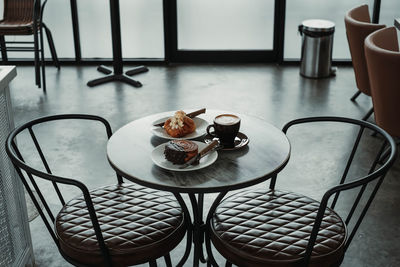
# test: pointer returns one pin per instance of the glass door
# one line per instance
(141, 29)
(224, 30)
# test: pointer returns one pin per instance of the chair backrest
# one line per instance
(19, 10)
(382, 159)
(383, 62)
(29, 179)
(358, 27)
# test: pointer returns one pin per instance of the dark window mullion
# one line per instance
(75, 28)
(224, 56)
(376, 11)
(279, 29)
(170, 30)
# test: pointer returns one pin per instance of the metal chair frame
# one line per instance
(38, 47)
(18, 161)
(385, 158)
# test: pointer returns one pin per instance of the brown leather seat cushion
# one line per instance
(137, 224)
(16, 28)
(271, 228)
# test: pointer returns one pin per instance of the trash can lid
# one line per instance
(318, 25)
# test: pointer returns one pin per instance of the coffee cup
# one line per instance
(226, 128)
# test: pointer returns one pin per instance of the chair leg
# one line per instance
(228, 264)
(3, 50)
(386, 153)
(167, 259)
(353, 98)
(153, 263)
(43, 60)
(51, 46)
(211, 260)
(369, 113)
(36, 57)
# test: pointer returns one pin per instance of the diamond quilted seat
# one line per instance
(272, 228)
(137, 224)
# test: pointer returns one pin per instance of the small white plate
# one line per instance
(157, 155)
(201, 126)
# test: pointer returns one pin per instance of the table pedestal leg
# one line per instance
(197, 232)
(136, 70)
(118, 77)
(104, 69)
(118, 74)
(198, 229)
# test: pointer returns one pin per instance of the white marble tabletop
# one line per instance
(129, 153)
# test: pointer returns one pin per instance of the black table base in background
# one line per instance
(118, 77)
(117, 73)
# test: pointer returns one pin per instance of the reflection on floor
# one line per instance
(274, 93)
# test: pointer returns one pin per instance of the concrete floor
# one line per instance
(274, 93)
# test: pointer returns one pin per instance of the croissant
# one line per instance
(179, 125)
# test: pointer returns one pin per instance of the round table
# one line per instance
(129, 153)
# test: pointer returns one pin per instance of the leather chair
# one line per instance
(117, 225)
(24, 17)
(358, 27)
(271, 227)
(383, 62)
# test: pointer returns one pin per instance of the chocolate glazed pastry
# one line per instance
(180, 151)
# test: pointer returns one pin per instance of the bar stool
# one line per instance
(24, 17)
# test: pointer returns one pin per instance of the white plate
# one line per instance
(159, 159)
(201, 126)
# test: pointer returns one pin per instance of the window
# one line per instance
(141, 28)
(225, 24)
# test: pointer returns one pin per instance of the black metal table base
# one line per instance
(117, 73)
(118, 77)
(198, 228)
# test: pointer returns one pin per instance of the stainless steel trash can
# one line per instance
(316, 49)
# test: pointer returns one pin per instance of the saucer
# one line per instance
(241, 140)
